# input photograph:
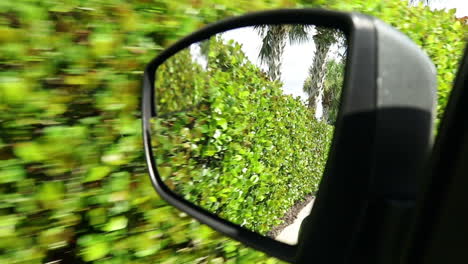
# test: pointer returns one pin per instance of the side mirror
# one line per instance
(250, 117)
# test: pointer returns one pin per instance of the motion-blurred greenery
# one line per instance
(73, 183)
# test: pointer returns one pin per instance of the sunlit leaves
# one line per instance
(51, 194)
(242, 145)
(95, 246)
(116, 223)
(97, 173)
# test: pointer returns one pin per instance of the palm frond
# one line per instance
(299, 34)
(271, 51)
(261, 29)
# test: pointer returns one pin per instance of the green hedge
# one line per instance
(73, 184)
(230, 141)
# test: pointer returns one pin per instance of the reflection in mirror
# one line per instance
(244, 122)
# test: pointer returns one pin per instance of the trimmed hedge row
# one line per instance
(230, 141)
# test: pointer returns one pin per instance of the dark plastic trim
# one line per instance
(360, 98)
(439, 231)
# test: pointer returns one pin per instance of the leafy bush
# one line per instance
(73, 184)
(235, 144)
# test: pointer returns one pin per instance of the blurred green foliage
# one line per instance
(229, 140)
(73, 184)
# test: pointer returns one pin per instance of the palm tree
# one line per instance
(313, 85)
(426, 2)
(333, 86)
(274, 42)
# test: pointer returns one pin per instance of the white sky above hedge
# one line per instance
(460, 5)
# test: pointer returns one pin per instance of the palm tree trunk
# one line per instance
(273, 44)
(314, 87)
(274, 41)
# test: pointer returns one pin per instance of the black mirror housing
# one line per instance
(382, 136)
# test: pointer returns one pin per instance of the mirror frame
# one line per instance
(342, 202)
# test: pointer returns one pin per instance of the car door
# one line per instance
(440, 231)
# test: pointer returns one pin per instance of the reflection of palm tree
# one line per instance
(274, 41)
(332, 89)
(313, 85)
(426, 2)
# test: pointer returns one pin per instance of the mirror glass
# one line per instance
(245, 120)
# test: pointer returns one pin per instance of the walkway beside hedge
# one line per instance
(290, 233)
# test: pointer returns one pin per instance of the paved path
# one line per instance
(290, 233)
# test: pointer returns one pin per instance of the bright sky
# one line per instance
(460, 5)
